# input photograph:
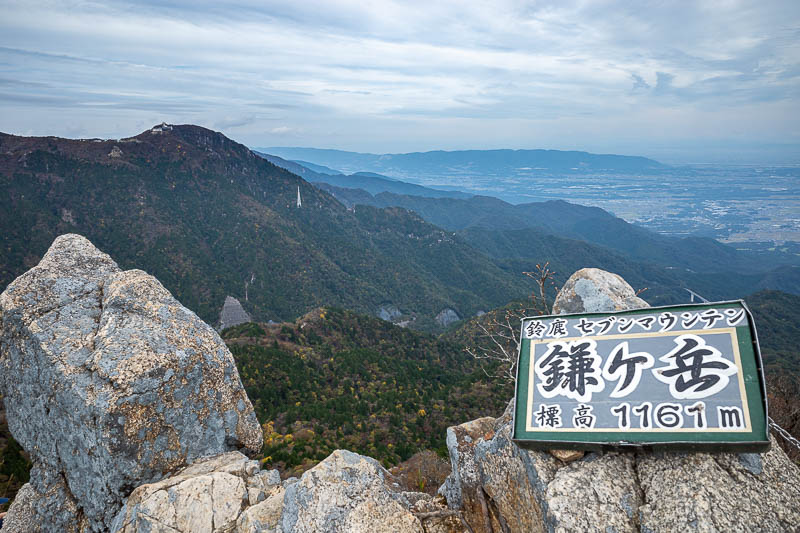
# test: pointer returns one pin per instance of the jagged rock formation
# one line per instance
(232, 314)
(502, 487)
(134, 415)
(108, 383)
(368, 501)
(207, 496)
(389, 312)
(345, 493)
(446, 317)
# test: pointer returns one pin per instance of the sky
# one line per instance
(682, 82)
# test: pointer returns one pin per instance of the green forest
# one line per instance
(337, 379)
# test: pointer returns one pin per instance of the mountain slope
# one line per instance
(590, 224)
(368, 181)
(209, 219)
(572, 236)
(336, 379)
(777, 316)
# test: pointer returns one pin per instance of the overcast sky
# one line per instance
(694, 81)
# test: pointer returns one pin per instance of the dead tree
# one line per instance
(498, 336)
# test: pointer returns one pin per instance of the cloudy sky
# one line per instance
(694, 81)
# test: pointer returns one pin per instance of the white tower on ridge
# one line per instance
(299, 202)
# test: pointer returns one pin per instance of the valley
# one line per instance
(750, 207)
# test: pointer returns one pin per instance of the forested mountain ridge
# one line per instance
(573, 221)
(572, 236)
(209, 219)
(367, 181)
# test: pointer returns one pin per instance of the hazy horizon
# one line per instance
(691, 83)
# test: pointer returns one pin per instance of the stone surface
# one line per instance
(446, 317)
(346, 493)
(209, 496)
(264, 517)
(108, 383)
(389, 312)
(567, 456)
(592, 290)
(502, 487)
(232, 314)
(527, 490)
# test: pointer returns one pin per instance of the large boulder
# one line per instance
(108, 383)
(591, 290)
(501, 487)
(347, 493)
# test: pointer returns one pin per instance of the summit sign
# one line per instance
(686, 377)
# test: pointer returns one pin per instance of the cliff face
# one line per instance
(135, 418)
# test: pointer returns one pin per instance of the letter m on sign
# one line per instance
(730, 417)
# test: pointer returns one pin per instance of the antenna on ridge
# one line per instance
(695, 295)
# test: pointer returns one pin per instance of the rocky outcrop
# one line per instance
(591, 290)
(389, 312)
(232, 314)
(345, 493)
(108, 383)
(446, 317)
(135, 418)
(502, 487)
(208, 496)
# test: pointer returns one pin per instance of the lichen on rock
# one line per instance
(109, 382)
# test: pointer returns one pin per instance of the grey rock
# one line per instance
(223, 494)
(446, 317)
(591, 290)
(526, 490)
(346, 493)
(209, 497)
(232, 314)
(108, 383)
(389, 312)
(716, 492)
(502, 487)
(263, 517)
(43, 492)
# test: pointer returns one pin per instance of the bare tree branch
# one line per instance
(498, 340)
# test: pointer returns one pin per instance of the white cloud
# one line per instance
(384, 75)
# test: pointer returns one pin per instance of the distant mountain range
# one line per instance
(571, 236)
(455, 163)
(210, 219)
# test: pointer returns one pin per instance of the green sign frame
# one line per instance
(687, 377)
